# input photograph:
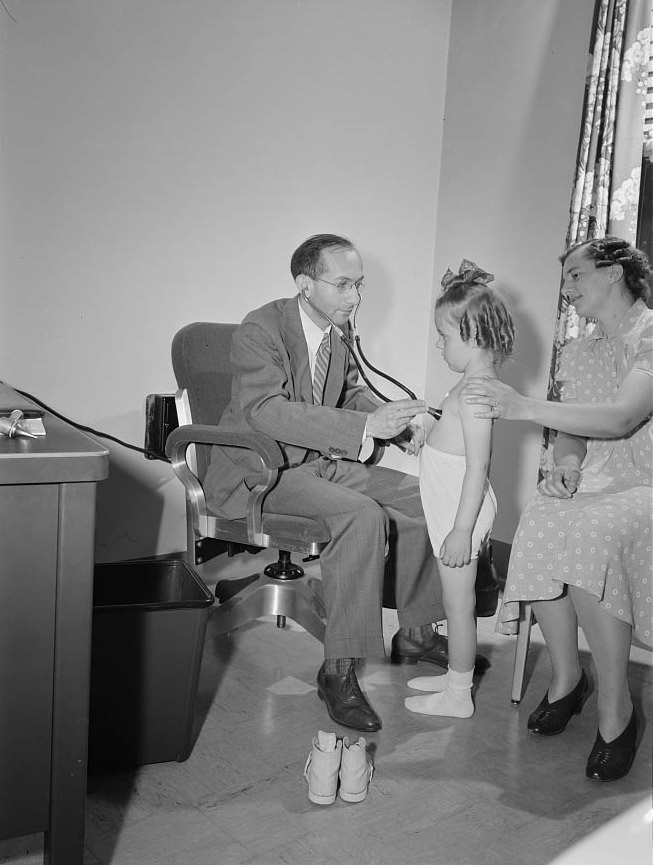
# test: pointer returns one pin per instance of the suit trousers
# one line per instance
(376, 521)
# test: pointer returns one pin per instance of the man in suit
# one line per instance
(295, 381)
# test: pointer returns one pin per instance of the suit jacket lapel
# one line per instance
(295, 342)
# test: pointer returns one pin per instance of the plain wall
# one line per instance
(161, 160)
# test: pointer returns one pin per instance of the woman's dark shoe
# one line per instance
(609, 761)
(549, 719)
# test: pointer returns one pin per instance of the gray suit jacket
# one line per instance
(272, 393)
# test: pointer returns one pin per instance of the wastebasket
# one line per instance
(149, 624)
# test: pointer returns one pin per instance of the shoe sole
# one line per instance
(353, 797)
(404, 659)
(607, 780)
(321, 800)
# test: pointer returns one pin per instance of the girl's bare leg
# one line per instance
(454, 700)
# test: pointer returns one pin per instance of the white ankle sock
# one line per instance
(455, 701)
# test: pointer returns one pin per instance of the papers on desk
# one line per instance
(31, 421)
(33, 425)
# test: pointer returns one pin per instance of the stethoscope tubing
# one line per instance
(355, 349)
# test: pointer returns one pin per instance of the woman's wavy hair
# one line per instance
(609, 250)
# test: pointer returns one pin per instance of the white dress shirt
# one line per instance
(313, 335)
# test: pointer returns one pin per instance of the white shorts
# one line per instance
(440, 484)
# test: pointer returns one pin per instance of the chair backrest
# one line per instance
(202, 367)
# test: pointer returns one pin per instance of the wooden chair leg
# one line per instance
(521, 651)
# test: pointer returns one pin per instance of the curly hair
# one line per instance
(609, 250)
(482, 316)
(307, 258)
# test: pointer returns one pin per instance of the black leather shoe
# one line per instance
(609, 761)
(487, 583)
(549, 719)
(345, 701)
(433, 649)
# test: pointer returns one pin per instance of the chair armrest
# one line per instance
(267, 449)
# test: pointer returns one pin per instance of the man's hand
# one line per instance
(392, 418)
(561, 482)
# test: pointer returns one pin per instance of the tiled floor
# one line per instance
(479, 791)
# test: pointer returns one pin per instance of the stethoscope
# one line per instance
(355, 350)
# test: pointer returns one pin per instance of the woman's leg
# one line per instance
(559, 625)
(609, 640)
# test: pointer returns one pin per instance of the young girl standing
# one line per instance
(475, 335)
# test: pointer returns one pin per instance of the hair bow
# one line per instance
(468, 274)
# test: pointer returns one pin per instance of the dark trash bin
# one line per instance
(149, 624)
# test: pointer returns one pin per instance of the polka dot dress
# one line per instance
(599, 540)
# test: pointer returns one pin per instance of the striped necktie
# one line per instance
(321, 368)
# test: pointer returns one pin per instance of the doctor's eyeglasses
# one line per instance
(344, 285)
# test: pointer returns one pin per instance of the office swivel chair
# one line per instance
(202, 368)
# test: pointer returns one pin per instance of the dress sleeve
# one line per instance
(643, 350)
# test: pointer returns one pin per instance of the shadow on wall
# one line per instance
(514, 443)
(129, 514)
(531, 352)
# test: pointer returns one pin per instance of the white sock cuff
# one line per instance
(459, 681)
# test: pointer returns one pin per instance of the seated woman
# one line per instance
(582, 551)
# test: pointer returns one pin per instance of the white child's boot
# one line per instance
(454, 702)
(355, 771)
(322, 767)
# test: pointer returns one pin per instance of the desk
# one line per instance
(47, 526)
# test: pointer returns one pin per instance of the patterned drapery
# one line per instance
(613, 185)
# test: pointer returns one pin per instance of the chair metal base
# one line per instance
(269, 597)
(284, 568)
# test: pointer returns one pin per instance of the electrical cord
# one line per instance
(151, 454)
